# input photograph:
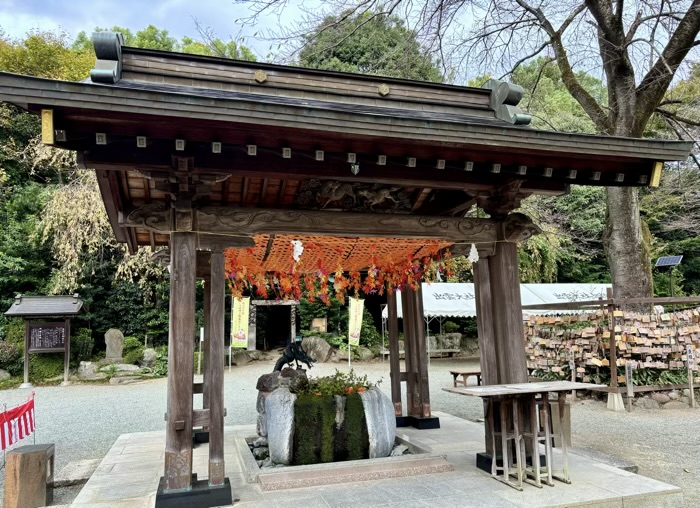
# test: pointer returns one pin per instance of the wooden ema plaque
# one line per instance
(47, 337)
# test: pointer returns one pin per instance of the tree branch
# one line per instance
(653, 86)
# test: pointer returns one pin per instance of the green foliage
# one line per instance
(160, 39)
(81, 346)
(356, 436)
(11, 358)
(317, 439)
(15, 331)
(368, 43)
(45, 54)
(160, 367)
(45, 366)
(340, 383)
(450, 327)
(133, 350)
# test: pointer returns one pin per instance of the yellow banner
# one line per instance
(239, 322)
(355, 326)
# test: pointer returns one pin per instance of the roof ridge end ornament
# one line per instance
(504, 101)
(108, 49)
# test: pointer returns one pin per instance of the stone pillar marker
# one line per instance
(114, 339)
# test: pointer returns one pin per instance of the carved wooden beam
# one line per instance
(244, 222)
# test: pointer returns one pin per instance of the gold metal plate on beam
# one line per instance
(260, 76)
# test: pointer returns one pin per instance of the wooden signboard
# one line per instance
(47, 337)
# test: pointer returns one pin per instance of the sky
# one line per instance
(177, 16)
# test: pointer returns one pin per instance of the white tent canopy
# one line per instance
(457, 299)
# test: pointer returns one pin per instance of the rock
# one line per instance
(88, 371)
(120, 367)
(260, 453)
(260, 463)
(261, 426)
(686, 392)
(433, 343)
(399, 450)
(115, 344)
(4, 375)
(647, 403)
(470, 345)
(255, 355)
(685, 400)
(267, 462)
(267, 382)
(674, 395)
(661, 398)
(675, 404)
(76, 473)
(381, 422)
(124, 380)
(317, 348)
(241, 358)
(279, 410)
(335, 356)
(292, 373)
(450, 340)
(364, 354)
(298, 384)
(261, 441)
(260, 403)
(149, 357)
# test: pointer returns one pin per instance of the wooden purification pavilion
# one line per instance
(204, 154)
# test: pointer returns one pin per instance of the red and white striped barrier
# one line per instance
(16, 423)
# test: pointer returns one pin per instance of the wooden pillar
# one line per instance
(27, 339)
(484, 322)
(206, 307)
(216, 369)
(178, 430)
(507, 314)
(421, 354)
(66, 353)
(409, 349)
(394, 361)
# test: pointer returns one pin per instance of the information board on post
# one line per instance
(47, 337)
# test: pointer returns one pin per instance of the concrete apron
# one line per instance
(128, 477)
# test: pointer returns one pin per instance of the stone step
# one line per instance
(349, 472)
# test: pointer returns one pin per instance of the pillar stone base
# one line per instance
(201, 495)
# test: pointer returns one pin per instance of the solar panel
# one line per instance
(669, 261)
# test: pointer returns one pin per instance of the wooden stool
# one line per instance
(28, 475)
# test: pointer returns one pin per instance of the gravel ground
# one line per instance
(85, 420)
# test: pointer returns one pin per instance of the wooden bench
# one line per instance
(434, 353)
(464, 374)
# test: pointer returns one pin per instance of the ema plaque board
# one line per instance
(47, 337)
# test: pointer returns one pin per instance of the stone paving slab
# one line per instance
(139, 465)
(75, 473)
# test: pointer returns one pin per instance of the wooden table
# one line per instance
(518, 406)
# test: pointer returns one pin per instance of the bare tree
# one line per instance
(637, 47)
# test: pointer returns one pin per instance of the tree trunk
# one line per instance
(627, 252)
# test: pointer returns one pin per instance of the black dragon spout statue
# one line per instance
(294, 353)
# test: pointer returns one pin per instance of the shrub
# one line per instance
(133, 350)
(11, 358)
(450, 327)
(339, 383)
(81, 346)
(134, 356)
(45, 366)
(160, 367)
(14, 332)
